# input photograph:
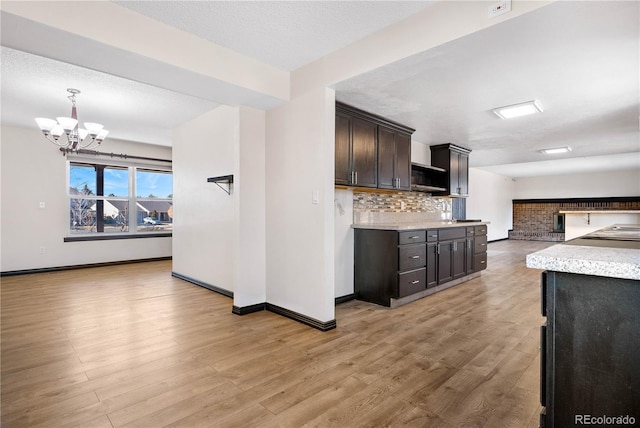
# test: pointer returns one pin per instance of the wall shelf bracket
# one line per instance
(224, 182)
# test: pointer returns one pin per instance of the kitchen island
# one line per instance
(590, 344)
(397, 263)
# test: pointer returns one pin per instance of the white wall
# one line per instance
(420, 153)
(219, 239)
(249, 210)
(203, 228)
(343, 217)
(591, 185)
(490, 199)
(34, 171)
(300, 234)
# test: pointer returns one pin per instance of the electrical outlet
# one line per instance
(41, 250)
(41, 205)
(499, 8)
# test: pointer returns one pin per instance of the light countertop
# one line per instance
(602, 212)
(602, 260)
(417, 225)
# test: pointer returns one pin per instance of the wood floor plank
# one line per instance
(132, 346)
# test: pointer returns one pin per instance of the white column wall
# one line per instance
(300, 234)
(203, 229)
(344, 245)
(491, 199)
(249, 210)
(33, 171)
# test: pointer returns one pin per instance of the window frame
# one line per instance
(133, 230)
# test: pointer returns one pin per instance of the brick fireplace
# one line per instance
(533, 219)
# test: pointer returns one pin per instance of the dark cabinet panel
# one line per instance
(463, 173)
(371, 151)
(412, 282)
(356, 151)
(365, 153)
(591, 345)
(386, 158)
(432, 264)
(470, 268)
(403, 161)
(458, 258)
(412, 256)
(445, 266)
(455, 160)
(412, 237)
(343, 149)
(394, 159)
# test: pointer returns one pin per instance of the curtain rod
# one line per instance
(120, 155)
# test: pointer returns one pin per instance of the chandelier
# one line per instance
(76, 138)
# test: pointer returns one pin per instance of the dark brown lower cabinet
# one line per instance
(391, 265)
(590, 349)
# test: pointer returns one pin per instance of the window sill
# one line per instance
(109, 237)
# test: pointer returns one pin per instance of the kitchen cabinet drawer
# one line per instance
(451, 233)
(412, 237)
(412, 282)
(412, 257)
(480, 262)
(432, 235)
(480, 230)
(480, 244)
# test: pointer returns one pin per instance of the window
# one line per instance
(101, 198)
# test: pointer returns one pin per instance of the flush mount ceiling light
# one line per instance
(517, 110)
(76, 138)
(556, 150)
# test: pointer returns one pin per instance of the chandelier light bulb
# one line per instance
(82, 133)
(67, 123)
(57, 131)
(76, 138)
(93, 128)
(45, 124)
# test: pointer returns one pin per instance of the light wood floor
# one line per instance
(131, 346)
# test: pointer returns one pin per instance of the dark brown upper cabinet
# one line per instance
(356, 151)
(455, 160)
(371, 151)
(394, 159)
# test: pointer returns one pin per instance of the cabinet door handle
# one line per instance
(455, 245)
(414, 257)
(469, 243)
(415, 237)
(356, 182)
(398, 182)
(415, 282)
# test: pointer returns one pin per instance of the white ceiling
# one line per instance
(580, 59)
(285, 34)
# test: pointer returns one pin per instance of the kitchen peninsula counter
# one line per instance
(590, 257)
(590, 342)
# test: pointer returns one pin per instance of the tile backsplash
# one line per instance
(376, 207)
